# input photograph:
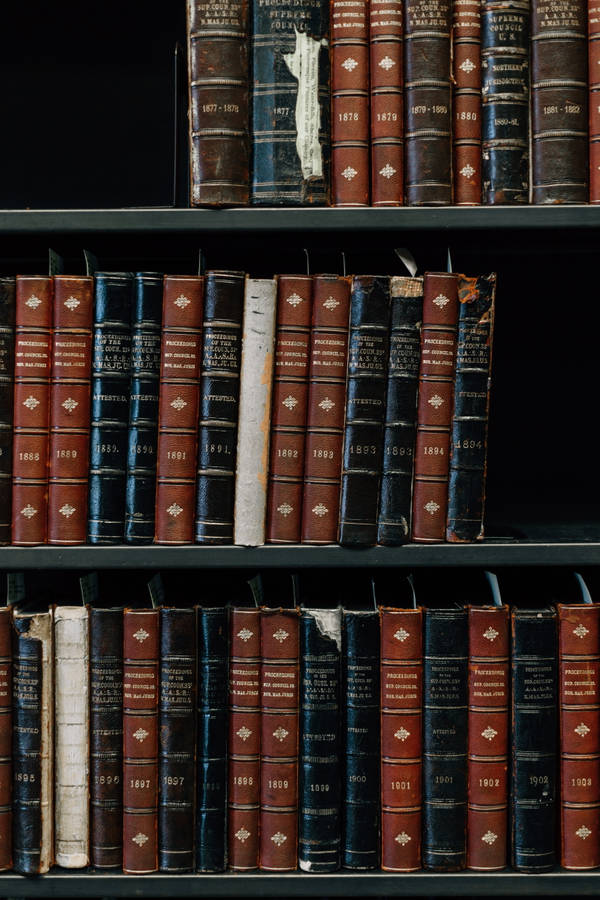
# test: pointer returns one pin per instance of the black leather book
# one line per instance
(7, 360)
(319, 824)
(143, 408)
(535, 737)
(111, 376)
(445, 698)
(365, 409)
(361, 798)
(213, 717)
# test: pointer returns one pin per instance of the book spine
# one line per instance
(7, 368)
(579, 676)
(487, 816)
(350, 102)
(534, 729)
(505, 101)
(279, 677)
(33, 321)
(6, 736)
(72, 718)
(559, 95)
(325, 412)
(428, 119)
(219, 406)
(106, 738)
(445, 672)
(70, 410)
(177, 724)
(394, 522)
(218, 102)
(288, 415)
(360, 680)
(466, 114)
(290, 121)
(319, 825)
(111, 369)
(387, 102)
(593, 24)
(179, 391)
(434, 407)
(140, 740)
(256, 376)
(401, 741)
(365, 409)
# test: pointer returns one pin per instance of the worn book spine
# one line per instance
(140, 740)
(559, 101)
(579, 675)
(325, 412)
(71, 374)
(33, 340)
(534, 692)
(365, 409)
(387, 102)
(177, 729)
(180, 366)
(434, 407)
(71, 736)
(488, 778)
(7, 369)
(505, 101)
(466, 101)
(111, 370)
(288, 410)
(219, 406)
(401, 740)
(350, 102)
(256, 377)
(218, 102)
(394, 521)
(279, 677)
(445, 671)
(593, 27)
(6, 737)
(319, 824)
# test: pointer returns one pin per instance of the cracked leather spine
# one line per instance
(387, 101)
(466, 101)
(6, 738)
(7, 364)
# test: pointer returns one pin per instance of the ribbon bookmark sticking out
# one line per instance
(492, 580)
(156, 590)
(88, 585)
(407, 259)
(585, 594)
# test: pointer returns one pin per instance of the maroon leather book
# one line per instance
(594, 97)
(5, 738)
(387, 103)
(466, 115)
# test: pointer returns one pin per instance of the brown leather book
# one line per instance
(594, 98)
(350, 102)
(387, 102)
(326, 408)
(434, 407)
(466, 113)
(180, 367)
(31, 409)
(5, 738)
(288, 409)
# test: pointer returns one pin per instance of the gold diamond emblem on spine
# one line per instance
(140, 635)
(33, 302)
(491, 634)
(431, 507)
(320, 510)
(402, 734)
(581, 730)
(436, 401)
(243, 733)
(140, 734)
(182, 301)
(281, 734)
(285, 509)
(387, 171)
(178, 403)
(441, 301)
(294, 299)
(401, 635)
(403, 838)
(31, 402)
(242, 835)
(280, 635)
(245, 634)
(29, 511)
(326, 404)
(580, 631)
(174, 510)
(279, 838)
(71, 303)
(331, 303)
(349, 173)
(583, 832)
(69, 404)
(489, 733)
(489, 837)
(140, 839)
(67, 510)
(290, 402)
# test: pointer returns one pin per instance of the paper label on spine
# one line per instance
(303, 64)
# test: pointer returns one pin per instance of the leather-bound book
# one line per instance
(428, 121)
(445, 653)
(6, 737)
(579, 666)
(180, 365)
(559, 96)
(288, 409)
(106, 738)
(387, 102)
(350, 103)
(466, 112)
(360, 710)
(488, 778)
(505, 101)
(218, 98)
(70, 409)
(326, 406)
(111, 370)
(212, 727)
(401, 741)
(7, 367)
(434, 407)
(33, 320)
(319, 824)
(395, 501)
(593, 23)
(219, 406)
(177, 746)
(365, 409)
(140, 740)
(534, 693)
(279, 677)
(290, 122)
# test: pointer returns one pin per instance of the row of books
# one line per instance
(386, 102)
(227, 409)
